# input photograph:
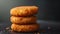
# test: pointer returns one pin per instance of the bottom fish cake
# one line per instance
(24, 28)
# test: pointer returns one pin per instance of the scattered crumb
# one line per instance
(49, 27)
(38, 33)
(7, 28)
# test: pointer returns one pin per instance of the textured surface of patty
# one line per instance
(24, 11)
(24, 28)
(23, 20)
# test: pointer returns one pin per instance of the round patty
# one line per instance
(24, 11)
(25, 28)
(23, 20)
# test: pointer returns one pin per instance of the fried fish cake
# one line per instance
(24, 11)
(23, 20)
(24, 28)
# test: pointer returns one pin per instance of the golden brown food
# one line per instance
(23, 20)
(24, 28)
(24, 10)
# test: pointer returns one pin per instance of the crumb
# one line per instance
(7, 28)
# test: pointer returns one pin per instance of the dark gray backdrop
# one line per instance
(48, 9)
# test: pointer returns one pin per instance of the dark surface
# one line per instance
(46, 27)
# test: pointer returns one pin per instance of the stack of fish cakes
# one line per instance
(23, 18)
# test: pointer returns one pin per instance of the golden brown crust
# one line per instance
(23, 20)
(24, 10)
(25, 28)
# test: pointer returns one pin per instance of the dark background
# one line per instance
(48, 9)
